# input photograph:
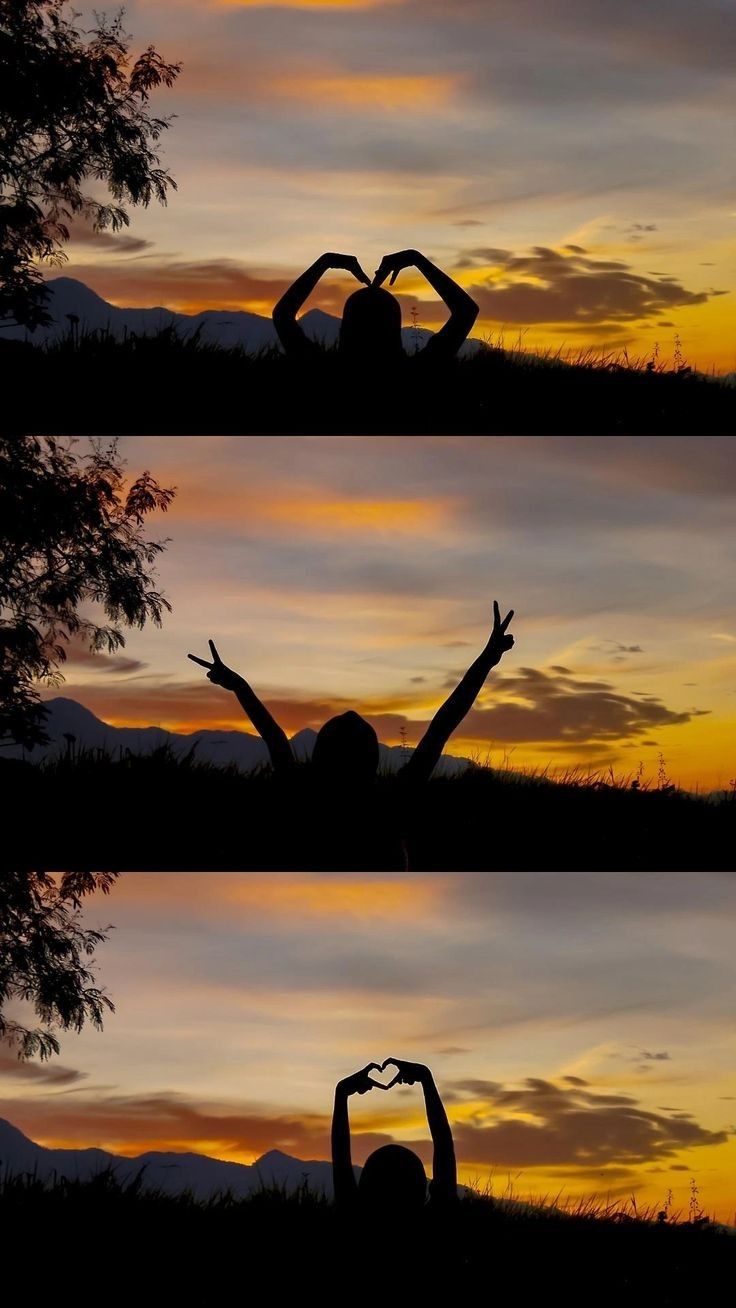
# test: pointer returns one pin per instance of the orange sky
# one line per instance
(579, 1026)
(359, 572)
(488, 141)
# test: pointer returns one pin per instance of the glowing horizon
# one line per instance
(367, 126)
(338, 573)
(242, 998)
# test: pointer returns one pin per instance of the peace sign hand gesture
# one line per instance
(499, 641)
(218, 672)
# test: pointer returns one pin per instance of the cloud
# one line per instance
(48, 1073)
(545, 1125)
(555, 707)
(111, 242)
(188, 286)
(131, 1124)
(538, 1125)
(549, 286)
(305, 4)
(531, 706)
(354, 91)
(78, 656)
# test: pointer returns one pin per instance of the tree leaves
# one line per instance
(70, 110)
(42, 950)
(71, 535)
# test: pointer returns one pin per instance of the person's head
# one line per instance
(371, 325)
(346, 750)
(393, 1177)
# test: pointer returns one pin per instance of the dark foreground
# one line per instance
(76, 1242)
(95, 385)
(90, 810)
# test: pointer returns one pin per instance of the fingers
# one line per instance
(357, 271)
(382, 272)
(394, 275)
(498, 625)
(202, 662)
(213, 651)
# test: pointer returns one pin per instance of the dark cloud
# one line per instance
(78, 656)
(568, 1127)
(572, 1126)
(574, 288)
(112, 242)
(558, 707)
(169, 1121)
(555, 708)
(662, 1057)
(214, 283)
(48, 1073)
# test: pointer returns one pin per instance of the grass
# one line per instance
(81, 1238)
(88, 383)
(162, 811)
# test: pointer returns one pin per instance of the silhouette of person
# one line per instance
(371, 321)
(393, 1182)
(346, 749)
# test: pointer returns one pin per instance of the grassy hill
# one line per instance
(101, 1238)
(160, 811)
(90, 383)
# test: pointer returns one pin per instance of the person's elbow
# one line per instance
(471, 311)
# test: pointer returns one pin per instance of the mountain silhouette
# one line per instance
(67, 717)
(171, 1172)
(223, 327)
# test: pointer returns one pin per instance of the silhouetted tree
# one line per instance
(72, 108)
(71, 534)
(43, 953)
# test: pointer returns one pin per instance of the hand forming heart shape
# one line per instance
(381, 1085)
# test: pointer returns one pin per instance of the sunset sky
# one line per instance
(359, 572)
(580, 1027)
(570, 163)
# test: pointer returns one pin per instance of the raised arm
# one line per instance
(444, 1167)
(267, 727)
(463, 310)
(450, 715)
(291, 335)
(343, 1176)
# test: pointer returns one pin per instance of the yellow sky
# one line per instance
(359, 573)
(476, 138)
(579, 1027)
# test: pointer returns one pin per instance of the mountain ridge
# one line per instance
(71, 299)
(68, 718)
(169, 1170)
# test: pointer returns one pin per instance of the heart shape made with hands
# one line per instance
(385, 1085)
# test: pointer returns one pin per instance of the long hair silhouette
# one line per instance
(346, 749)
(393, 1177)
(371, 323)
